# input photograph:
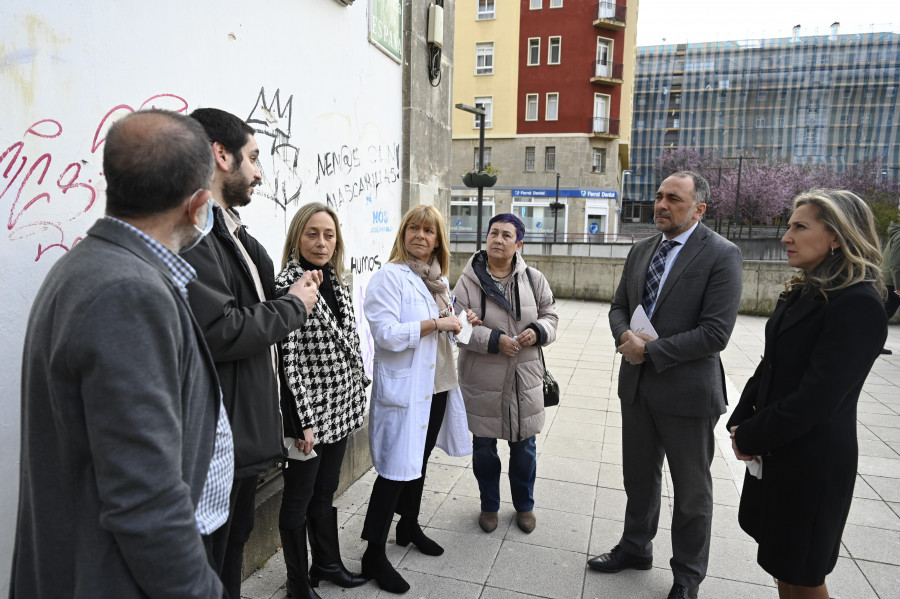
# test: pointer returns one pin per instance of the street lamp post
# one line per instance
(620, 201)
(478, 109)
(737, 195)
(556, 206)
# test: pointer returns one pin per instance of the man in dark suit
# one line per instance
(126, 452)
(672, 388)
(234, 300)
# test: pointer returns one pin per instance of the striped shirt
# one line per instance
(212, 509)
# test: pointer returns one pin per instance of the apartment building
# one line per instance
(554, 77)
(826, 99)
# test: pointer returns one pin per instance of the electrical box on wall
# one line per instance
(436, 25)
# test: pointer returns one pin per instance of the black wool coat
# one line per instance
(798, 412)
(240, 330)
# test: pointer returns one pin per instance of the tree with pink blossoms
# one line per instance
(672, 160)
(767, 188)
(708, 165)
(869, 180)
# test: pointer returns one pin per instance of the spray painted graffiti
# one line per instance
(30, 195)
(46, 201)
(349, 172)
(331, 163)
(364, 264)
(161, 101)
(281, 181)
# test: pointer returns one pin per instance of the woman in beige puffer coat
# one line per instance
(500, 368)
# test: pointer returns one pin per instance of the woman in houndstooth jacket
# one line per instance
(324, 371)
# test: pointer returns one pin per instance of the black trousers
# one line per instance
(403, 497)
(208, 546)
(310, 485)
(228, 541)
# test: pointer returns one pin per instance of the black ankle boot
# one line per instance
(326, 554)
(376, 566)
(293, 545)
(409, 530)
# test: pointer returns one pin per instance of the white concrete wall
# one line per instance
(303, 72)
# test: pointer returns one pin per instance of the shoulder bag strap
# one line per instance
(537, 304)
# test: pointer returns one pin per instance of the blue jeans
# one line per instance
(522, 472)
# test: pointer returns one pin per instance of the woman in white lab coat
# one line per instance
(416, 402)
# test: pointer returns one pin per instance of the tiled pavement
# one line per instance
(580, 502)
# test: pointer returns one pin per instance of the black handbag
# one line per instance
(551, 387)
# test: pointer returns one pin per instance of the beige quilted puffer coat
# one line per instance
(504, 395)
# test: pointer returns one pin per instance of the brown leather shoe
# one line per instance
(488, 521)
(526, 521)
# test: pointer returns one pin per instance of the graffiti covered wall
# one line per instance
(326, 105)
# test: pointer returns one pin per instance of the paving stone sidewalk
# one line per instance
(580, 500)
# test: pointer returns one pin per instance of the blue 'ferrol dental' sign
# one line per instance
(602, 194)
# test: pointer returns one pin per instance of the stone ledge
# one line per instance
(595, 279)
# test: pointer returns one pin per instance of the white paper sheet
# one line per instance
(296, 454)
(641, 324)
(466, 333)
(755, 466)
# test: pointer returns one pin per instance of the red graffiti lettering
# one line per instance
(37, 208)
(169, 102)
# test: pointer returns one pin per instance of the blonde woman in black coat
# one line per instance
(324, 371)
(797, 414)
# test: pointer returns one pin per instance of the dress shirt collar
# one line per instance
(682, 238)
(180, 272)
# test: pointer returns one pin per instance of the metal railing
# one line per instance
(610, 11)
(569, 238)
(605, 125)
(608, 70)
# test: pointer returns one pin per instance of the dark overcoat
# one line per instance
(240, 330)
(798, 411)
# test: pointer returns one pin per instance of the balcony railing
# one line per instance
(571, 238)
(604, 126)
(611, 13)
(605, 70)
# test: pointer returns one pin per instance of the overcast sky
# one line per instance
(672, 22)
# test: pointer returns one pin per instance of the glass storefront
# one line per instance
(540, 221)
(464, 218)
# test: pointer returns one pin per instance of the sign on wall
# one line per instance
(386, 26)
(564, 193)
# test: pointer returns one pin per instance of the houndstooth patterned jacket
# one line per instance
(323, 365)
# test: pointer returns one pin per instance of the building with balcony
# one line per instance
(554, 77)
(822, 99)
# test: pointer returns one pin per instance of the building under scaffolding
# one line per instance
(823, 99)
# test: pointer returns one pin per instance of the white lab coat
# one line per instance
(403, 381)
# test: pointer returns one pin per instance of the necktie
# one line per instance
(655, 273)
